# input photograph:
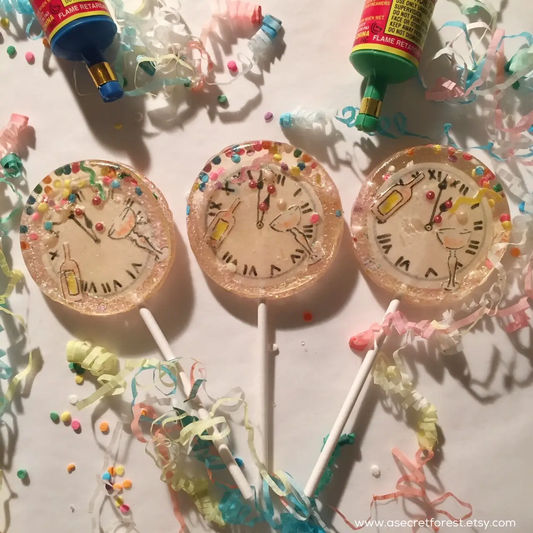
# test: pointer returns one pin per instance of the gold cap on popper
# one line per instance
(106, 81)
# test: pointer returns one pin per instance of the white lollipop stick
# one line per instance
(223, 450)
(264, 380)
(346, 410)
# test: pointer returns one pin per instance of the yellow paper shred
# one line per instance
(392, 377)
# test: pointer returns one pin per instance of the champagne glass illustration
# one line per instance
(453, 239)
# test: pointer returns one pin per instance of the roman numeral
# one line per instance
(228, 257)
(251, 272)
(84, 286)
(403, 263)
(297, 192)
(92, 287)
(214, 205)
(281, 180)
(296, 256)
(384, 240)
(130, 274)
(434, 175)
(473, 247)
(116, 285)
(463, 189)
(273, 270)
(106, 288)
(430, 271)
(137, 266)
(455, 183)
(227, 189)
(478, 225)
(53, 255)
(305, 208)
(475, 206)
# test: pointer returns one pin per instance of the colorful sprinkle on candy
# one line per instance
(232, 66)
(65, 417)
(515, 252)
(54, 417)
(104, 427)
(22, 474)
(30, 57)
(11, 51)
(127, 484)
(308, 316)
(222, 99)
(120, 470)
(76, 425)
(79, 379)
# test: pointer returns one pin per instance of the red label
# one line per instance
(54, 14)
(395, 26)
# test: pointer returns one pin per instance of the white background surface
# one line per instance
(483, 396)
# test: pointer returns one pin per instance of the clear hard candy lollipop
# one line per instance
(425, 222)
(98, 237)
(265, 219)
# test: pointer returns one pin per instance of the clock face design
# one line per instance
(425, 222)
(97, 237)
(265, 219)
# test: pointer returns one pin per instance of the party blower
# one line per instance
(428, 226)
(99, 238)
(264, 222)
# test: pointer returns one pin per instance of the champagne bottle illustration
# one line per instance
(70, 278)
(387, 203)
(221, 225)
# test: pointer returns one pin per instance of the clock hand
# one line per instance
(91, 235)
(442, 186)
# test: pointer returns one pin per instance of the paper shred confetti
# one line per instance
(65, 417)
(22, 474)
(328, 473)
(54, 417)
(104, 427)
(71, 467)
(127, 484)
(76, 425)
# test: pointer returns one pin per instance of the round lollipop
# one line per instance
(264, 222)
(99, 238)
(423, 227)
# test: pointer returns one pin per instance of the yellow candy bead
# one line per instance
(295, 171)
(78, 379)
(58, 183)
(507, 225)
(437, 148)
(119, 470)
(5, 22)
(67, 183)
(65, 416)
(277, 157)
(492, 203)
(82, 184)
(119, 501)
(42, 207)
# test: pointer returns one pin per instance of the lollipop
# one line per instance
(424, 227)
(264, 222)
(99, 238)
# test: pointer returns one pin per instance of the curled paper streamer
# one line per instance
(328, 473)
(393, 378)
(413, 486)
(9, 136)
(6, 372)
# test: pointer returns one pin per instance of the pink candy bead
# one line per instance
(124, 508)
(315, 218)
(34, 236)
(503, 218)
(76, 426)
(35, 216)
(233, 66)
(30, 57)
